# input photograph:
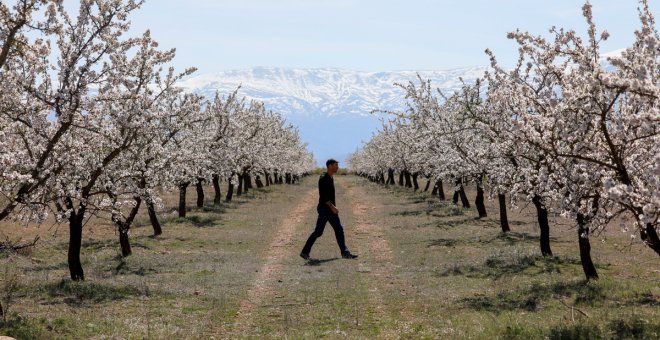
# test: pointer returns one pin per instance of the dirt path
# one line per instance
(380, 257)
(281, 247)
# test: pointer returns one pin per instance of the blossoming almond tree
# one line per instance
(116, 118)
(596, 128)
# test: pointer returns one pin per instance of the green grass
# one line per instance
(449, 275)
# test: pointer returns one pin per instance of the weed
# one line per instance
(576, 332)
(635, 328)
(10, 284)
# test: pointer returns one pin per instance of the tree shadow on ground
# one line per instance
(444, 242)
(46, 268)
(123, 268)
(497, 266)
(533, 297)
(82, 293)
(195, 220)
(221, 209)
(509, 238)
(407, 213)
(110, 244)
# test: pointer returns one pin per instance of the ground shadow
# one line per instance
(195, 220)
(123, 268)
(532, 298)
(318, 262)
(495, 267)
(81, 293)
(406, 213)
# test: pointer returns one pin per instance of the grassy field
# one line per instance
(426, 269)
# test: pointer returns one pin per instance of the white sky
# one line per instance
(366, 35)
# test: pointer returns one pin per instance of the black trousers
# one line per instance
(325, 216)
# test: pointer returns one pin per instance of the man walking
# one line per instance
(328, 212)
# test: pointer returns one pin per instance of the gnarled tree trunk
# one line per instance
(153, 218)
(650, 237)
(239, 190)
(585, 249)
(441, 190)
(406, 175)
(199, 187)
(544, 226)
(414, 180)
(479, 200)
(428, 184)
(504, 220)
(183, 186)
(230, 189)
(216, 188)
(390, 177)
(75, 240)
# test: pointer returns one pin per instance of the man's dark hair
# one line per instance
(330, 162)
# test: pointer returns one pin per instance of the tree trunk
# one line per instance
(258, 182)
(400, 178)
(390, 177)
(200, 192)
(441, 190)
(414, 179)
(504, 220)
(585, 249)
(183, 186)
(216, 188)
(544, 226)
(75, 243)
(407, 177)
(125, 225)
(248, 182)
(267, 177)
(428, 184)
(124, 242)
(479, 201)
(464, 199)
(239, 190)
(230, 190)
(435, 189)
(650, 237)
(153, 218)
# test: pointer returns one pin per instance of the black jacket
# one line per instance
(326, 191)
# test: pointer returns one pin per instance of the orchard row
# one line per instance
(565, 129)
(93, 124)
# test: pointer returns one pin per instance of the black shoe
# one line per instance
(348, 255)
(305, 257)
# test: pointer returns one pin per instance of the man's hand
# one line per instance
(332, 207)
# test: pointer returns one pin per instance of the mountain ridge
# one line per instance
(324, 91)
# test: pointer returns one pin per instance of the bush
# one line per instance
(576, 332)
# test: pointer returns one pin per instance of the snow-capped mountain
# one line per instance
(324, 92)
(331, 107)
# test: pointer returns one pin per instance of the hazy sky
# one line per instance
(365, 35)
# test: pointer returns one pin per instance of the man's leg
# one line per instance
(339, 232)
(318, 231)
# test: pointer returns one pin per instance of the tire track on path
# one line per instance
(380, 257)
(264, 285)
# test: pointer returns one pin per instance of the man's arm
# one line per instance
(332, 207)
